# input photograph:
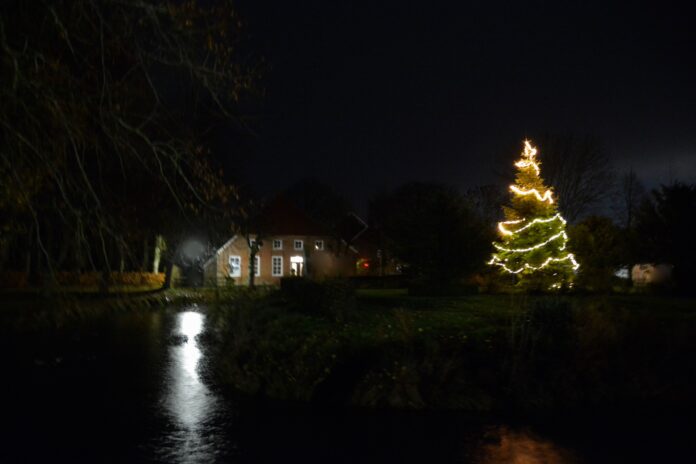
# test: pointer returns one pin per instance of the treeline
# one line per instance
(443, 237)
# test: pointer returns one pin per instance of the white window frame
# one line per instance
(238, 271)
(295, 242)
(319, 245)
(257, 266)
(275, 259)
(279, 243)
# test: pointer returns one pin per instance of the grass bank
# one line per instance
(481, 353)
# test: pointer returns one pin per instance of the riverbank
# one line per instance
(34, 310)
(383, 349)
(484, 354)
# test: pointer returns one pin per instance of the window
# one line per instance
(277, 244)
(257, 266)
(277, 266)
(235, 265)
(299, 245)
(318, 244)
(252, 242)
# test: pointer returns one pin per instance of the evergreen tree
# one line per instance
(533, 239)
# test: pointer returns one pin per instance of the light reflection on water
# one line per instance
(188, 402)
(522, 447)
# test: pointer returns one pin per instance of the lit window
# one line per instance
(257, 266)
(277, 266)
(235, 265)
(299, 245)
(277, 244)
(318, 244)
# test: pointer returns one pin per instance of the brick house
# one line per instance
(292, 245)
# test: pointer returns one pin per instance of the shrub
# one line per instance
(86, 279)
(12, 279)
(331, 297)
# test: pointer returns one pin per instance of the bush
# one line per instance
(539, 365)
(11, 279)
(332, 297)
(19, 280)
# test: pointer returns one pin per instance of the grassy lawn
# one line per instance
(484, 315)
(383, 348)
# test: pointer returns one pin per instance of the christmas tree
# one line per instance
(533, 240)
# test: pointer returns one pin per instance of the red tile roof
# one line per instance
(282, 217)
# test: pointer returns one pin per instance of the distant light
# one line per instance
(192, 249)
(622, 273)
(366, 264)
(190, 323)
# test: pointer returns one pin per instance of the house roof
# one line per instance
(282, 217)
(368, 242)
(211, 259)
(350, 227)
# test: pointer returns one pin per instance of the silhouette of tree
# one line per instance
(105, 106)
(579, 170)
(432, 229)
(601, 248)
(665, 226)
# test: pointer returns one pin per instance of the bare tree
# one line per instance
(251, 225)
(485, 200)
(580, 171)
(104, 106)
(630, 193)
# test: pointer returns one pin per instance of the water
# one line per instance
(186, 400)
(132, 389)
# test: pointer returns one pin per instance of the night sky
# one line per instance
(366, 96)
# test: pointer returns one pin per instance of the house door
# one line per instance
(297, 266)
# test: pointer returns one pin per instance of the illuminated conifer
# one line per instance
(533, 239)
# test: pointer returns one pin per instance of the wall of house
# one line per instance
(210, 276)
(645, 274)
(318, 264)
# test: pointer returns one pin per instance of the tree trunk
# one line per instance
(254, 245)
(168, 270)
(63, 252)
(105, 281)
(146, 255)
(122, 260)
(27, 263)
(36, 265)
(252, 267)
(159, 245)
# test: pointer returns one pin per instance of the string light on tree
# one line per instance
(504, 231)
(533, 237)
(545, 197)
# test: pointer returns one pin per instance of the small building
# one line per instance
(292, 244)
(651, 274)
